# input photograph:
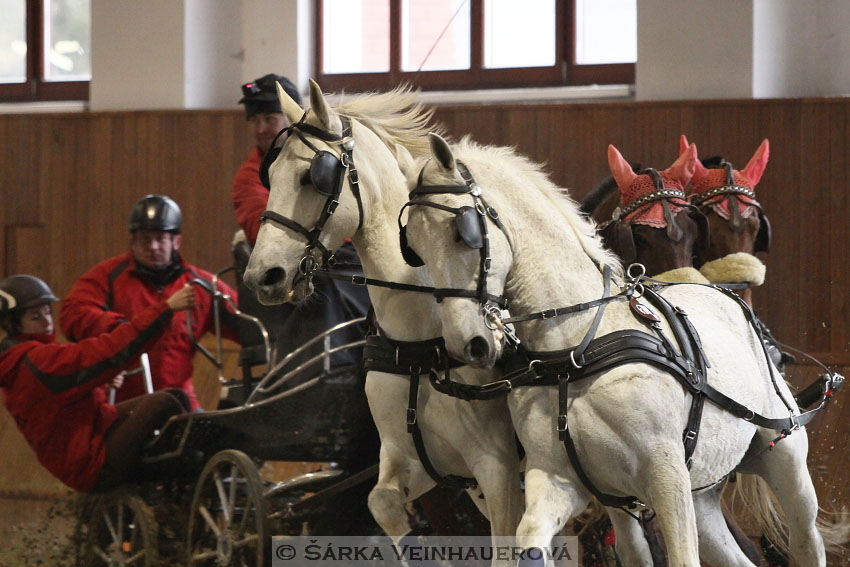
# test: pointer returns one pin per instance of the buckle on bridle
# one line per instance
(548, 314)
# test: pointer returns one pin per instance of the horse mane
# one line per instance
(601, 192)
(583, 227)
(713, 162)
(396, 117)
(598, 195)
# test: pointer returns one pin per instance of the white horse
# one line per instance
(462, 438)
(627, 423)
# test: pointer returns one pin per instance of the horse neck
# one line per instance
(384, 191)
(550, 269)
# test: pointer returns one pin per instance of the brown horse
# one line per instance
(653, 223)
(737, 224)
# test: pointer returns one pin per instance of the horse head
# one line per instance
(654, 224)
(736, 221)
(456, 234)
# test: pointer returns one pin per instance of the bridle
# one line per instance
(326, 175)
(730, 190)
(617, 231)
(472, 228)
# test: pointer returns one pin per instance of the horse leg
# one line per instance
(632, 547)
(717, 546)
(550, 502)
(669, 490)
(785, 471)
(399, 481)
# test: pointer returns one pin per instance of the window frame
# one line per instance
(35, 88)
(565, 71)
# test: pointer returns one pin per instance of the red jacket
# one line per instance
(250, 197)
(52, 392)
(113, 291)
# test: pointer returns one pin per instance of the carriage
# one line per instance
(216, 497)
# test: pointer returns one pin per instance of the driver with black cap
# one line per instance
(266, 119)
(119, 288)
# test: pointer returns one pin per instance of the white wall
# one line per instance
(785, 49)
(163, 54)
(213, 53)
(137, 54)
(694, 49)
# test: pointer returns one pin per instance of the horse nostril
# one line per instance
(274, 276)
(477, 349)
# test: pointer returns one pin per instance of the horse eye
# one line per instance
(305, 179)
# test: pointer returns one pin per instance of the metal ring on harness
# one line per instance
(491, 313)
(573, 360)
(307, 265)
(636, 276)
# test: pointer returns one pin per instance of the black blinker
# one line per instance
(267, 162)
(325, 173)
(468, 223)
(411, 257)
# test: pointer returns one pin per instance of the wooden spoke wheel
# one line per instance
(228, 522)
(118, 530)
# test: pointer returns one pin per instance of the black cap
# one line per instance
(260, 95)
(156, 212)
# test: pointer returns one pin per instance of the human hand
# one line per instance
(118, 381)
(182, 299)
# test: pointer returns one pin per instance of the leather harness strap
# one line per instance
(410, 358)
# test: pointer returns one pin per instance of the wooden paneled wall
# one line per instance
(67, 183)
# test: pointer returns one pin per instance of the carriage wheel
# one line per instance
(228, 524)
(118, 529)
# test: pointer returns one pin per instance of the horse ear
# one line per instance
(406, 163)
(683, 168)
(620, 168)
(327, 117)
(683, 144)
(442, 152)
(291, 110)
(755, 168)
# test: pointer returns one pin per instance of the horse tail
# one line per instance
(759, 500)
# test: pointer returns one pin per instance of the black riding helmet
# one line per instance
(18, 293)
(156, 212)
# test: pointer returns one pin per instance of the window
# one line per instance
(435, 44)
(45, 50)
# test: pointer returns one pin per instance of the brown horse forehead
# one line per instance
(714, 178)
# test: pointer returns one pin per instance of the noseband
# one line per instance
(472, 229)
(327, 175)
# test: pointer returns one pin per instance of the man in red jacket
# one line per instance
(52, 390)
(119, 288)
(266, 119)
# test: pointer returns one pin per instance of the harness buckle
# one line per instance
(548, 313)
(411, 416)
(332, 206)
(343, 159)
(690, 435)
(353, 176)
(358, 280)
(487, 265)
(795, 421)
(562, 423)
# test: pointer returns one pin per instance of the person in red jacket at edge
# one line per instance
(53, 390)
(119, 288)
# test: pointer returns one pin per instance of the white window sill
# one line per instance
(43, 107)
(530, 95)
